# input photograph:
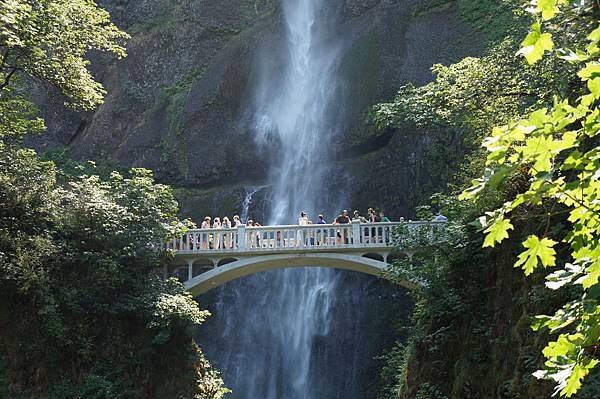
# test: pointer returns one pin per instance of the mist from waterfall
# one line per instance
(293, 121)
(275, 323)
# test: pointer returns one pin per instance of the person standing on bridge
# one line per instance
(237, 222)
(373, 218)
(356, 217)
(227, 242)
(258, 234)
(250, 223)
(343, 219)
(217, 237)
(320, 238)
(385, 219)
(300, 236)
(205, 239)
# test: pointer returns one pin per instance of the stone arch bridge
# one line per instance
(208, 258)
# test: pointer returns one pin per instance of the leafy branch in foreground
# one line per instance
(49, 41)
(557, 149)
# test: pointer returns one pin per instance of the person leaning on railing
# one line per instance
(342, 219)
(301, 234)
(205, 236)
(384, 219)
(320, 220)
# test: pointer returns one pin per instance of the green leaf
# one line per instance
(579, 372)
(538, 251)
(560, 347)
(538, 151)
(497, 232)
(595, 35)
(548, 8)
(594, 86)
(592, 275)
(536, 44)
(591, 70)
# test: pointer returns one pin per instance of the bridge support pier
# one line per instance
(190, 269)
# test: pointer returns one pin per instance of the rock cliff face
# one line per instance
(179, 104)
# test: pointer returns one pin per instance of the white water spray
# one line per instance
(281, 316)
(293, 117)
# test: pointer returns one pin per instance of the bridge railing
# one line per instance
(289, 237)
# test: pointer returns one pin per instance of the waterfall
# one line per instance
(273, 333)
(248, 197)
(292, 118)
(294, 121)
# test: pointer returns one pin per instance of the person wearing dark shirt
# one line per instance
(385, 219)
(342, 219)
(373, 218)
(320, 235)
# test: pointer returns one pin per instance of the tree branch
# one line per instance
(7, 78)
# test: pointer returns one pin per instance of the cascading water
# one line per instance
(248, 199)
(293, 119)
(271, 335)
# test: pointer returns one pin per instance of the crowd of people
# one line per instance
(226, 238)
(373, 216)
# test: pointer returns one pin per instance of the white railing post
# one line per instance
(241, 237)
(356, 232)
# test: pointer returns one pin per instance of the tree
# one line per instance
(82, 303)
(83, 309)
(556, 149)
(49, 40)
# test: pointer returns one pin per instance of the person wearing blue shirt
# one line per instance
(440, 218)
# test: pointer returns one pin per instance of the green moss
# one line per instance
(170, 15)
(433, 6)
(173, 99)
(495, 19)
(222, 31)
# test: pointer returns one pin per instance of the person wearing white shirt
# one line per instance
(302, 221)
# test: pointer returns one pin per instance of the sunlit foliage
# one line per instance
(556, 149)
(49, 40)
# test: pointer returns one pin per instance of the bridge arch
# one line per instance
(252, 265)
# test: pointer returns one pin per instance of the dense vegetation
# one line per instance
(472, 333)
(84, 310)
